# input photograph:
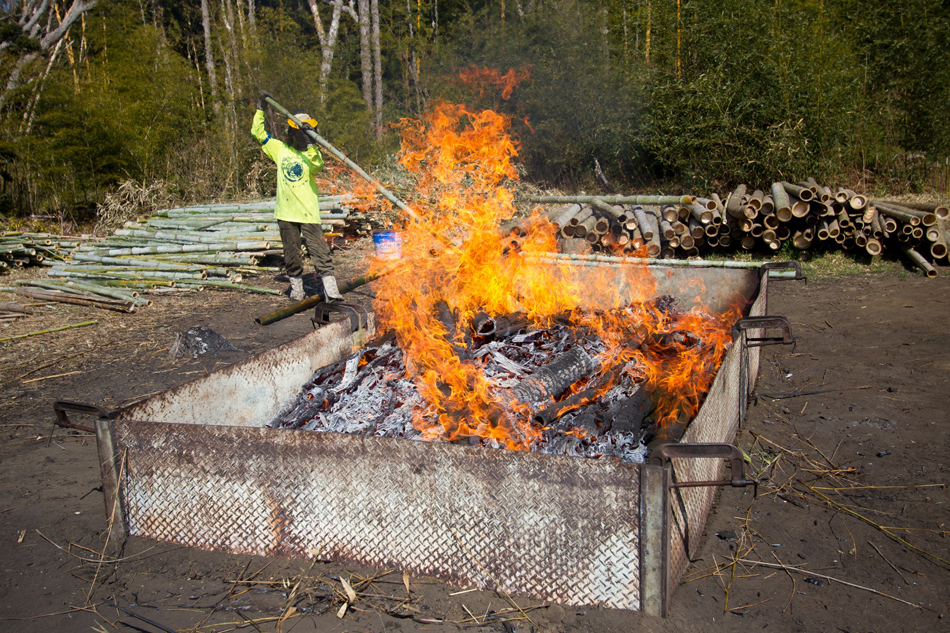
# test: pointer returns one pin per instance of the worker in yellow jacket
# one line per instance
(298, 207)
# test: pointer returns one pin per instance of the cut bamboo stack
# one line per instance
(805, 215)
(196, 247)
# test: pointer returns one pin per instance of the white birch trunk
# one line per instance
(39, 22)
(328, 38)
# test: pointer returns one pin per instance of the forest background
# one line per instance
(152, 99)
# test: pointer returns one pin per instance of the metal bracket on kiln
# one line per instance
(323, 312)
(721, 451)
(762, 323)
(60, 407)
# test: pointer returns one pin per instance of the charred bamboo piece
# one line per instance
(554, 378)
(552, 413)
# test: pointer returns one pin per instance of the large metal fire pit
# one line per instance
(196, 465)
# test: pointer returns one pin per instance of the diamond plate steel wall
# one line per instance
(717, 421)
(553, 528)
(198, 469)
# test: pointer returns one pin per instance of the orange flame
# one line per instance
(460, 263)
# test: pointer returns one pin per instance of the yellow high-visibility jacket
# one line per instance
(296, 190)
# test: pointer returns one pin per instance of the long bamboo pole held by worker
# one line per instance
(325, 144)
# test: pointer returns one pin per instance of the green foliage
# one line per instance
(762, 92)
(576, 107)
(693, 94)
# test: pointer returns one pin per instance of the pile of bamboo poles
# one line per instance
(199, 246)
(805, 215)
(20, 249)
(88, 295)
(10, 311)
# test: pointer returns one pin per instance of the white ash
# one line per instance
(376, 398)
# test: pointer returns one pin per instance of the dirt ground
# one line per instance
(848, 435)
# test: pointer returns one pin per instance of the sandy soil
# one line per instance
(848, 434)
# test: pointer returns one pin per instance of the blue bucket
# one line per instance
(388, 245)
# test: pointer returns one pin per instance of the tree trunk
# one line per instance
(252, 17)
(366, 52)
(31, 110)
(377, 70)
(36, 22)
(328, 39)
(209, 57)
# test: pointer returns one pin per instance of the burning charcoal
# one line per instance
(551, 380)
(627, 415)
(672, 342)
(664, 304)
(500, 326)
(601, 384)
(449, 320)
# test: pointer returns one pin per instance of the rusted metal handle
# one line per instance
(796, 266)
(62, 406)
(709, 450)
(765, 322)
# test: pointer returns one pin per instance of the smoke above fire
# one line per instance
(458, 265)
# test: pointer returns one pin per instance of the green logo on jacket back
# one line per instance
(292, 169)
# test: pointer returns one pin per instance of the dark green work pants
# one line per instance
(312, 234)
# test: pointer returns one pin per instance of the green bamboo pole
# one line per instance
(228, 284)
(143, 285)
(684, 200)
(113, 293)
(349, 163)
(310, 302)
(197, 238)
(140, 275)
(51, 285)
(139, 263)
(50, 331)
(187, 248)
